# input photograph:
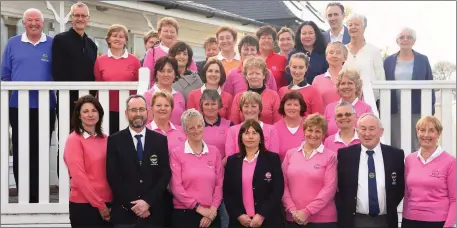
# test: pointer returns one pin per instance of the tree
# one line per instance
(347, 12)
(385, 53)
(443, 71)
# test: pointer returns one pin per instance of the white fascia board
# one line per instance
(305, 15)
(176, 13)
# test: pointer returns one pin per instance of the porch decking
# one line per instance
(53, 195)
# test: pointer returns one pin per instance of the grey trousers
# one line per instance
(366, 221)
(395, 131)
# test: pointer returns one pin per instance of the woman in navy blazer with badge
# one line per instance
(253, 183)
(407, 64)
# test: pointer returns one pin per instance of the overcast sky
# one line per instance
(434, 22)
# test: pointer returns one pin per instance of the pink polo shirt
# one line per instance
(310, 184)
(178, 102)
(236, 83)
(289, 140)
(334, 142)
(175, 134)
(269, 132)
(327, 88)
(107, 68)
(270, 106)
(359, 106)
(311, 96)
(193, 101)
(85, 157)
(155, 53)
(216, 135)
(430, 188)
(247, 177)
(196, 178)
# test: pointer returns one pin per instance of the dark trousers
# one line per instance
(191, 219)
(312, 225)
(406, 223)
(83, 215)
(113, 122)
(34, 119)
(167, 208)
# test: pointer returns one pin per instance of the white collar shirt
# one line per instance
(339, 139)
(432, 157)
(157, 89)
(253, 159)
(219, 90)
(134, 133)
(188, 149)
(320, 149)
(337, 38)
(25, 39)
(220, 57)
(123, 56)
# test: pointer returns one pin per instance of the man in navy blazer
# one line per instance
(335, 15)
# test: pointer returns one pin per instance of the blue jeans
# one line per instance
(222, 211)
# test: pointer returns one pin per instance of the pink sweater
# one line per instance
(430, 189)
(270, 103)
(246, 186)
(269, 132)
(217, 135)
(311, 96)
(360, 108)
(178, 102)
(334, 143)
(153, 55)
(326, 88)
(310, 185)
(175, 134)
(111, 69)
(236, 83)
(289, 140)
(193, 101)
(196, 179)
(86, 162)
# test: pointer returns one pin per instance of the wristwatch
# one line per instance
(196, 206)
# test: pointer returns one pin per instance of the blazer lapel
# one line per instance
(355, 166)
(258, 168)
(346, 37)
(130, 147)
(416, 67)
(387, 165)
(147, 146)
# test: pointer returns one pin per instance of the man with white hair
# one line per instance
(370, 179)
(28, 57)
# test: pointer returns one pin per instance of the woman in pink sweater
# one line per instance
(116, 65)
(196, 177)
(336, 54)
(345, 118)
(290, 128)
(310, 179)
(255, 72)
(430, 181)
(298, 66)
(85, 157)
(213, 75)
(250, 105)
(166, 70)
(168, 29)
(349, 86)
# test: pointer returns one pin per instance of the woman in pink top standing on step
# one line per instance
(430, 172)
(311, 169)
(168, 29)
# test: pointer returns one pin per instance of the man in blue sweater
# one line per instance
(27, 57)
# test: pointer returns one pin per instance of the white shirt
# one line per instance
(123, 56)
(354, 102)
(220, 57)
(253, 159)
(337, 38)
(164, 48)
(320, 149)
(435, 154)
(368, 62)
(219, 90)
(188, 149)
(25, 39)
(156, 89)
(339, 139)
(363, 205)
(133, 133)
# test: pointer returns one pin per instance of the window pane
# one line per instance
(199, 53)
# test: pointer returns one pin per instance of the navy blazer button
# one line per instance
(141, 181)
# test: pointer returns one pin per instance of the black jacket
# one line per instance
(268, 191)
(348, 176)
(129, 181)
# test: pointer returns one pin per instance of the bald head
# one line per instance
(32, 12)
(33, 22)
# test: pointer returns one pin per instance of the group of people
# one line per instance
(251, 138)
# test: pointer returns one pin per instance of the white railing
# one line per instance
(47, 214)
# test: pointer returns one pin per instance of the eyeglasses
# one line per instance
(347, 114)
(136, 110)
(83, 16)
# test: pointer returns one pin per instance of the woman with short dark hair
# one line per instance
(253, 199)
(85, 157)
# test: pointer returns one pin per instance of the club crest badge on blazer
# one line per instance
(154, 160)
(268, 176)
(394, 178)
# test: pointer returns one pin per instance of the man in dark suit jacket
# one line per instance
(370, 179)
(335, 15)
(138, 170)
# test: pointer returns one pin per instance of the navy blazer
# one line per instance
(421, 71)
(346, 37)
(267, 185)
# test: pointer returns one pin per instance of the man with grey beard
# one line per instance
(137, 169)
